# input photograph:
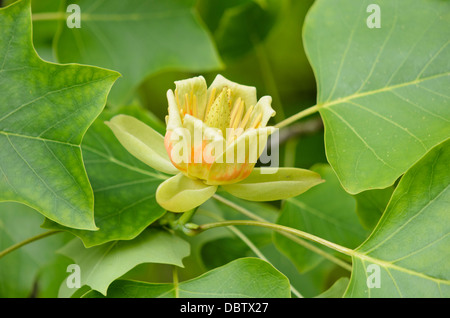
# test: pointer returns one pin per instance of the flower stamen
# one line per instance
(235, 110)
(246, 118)
(186, 104)
(256, 122)
(238, 116)
(194, 106)
(177, 99)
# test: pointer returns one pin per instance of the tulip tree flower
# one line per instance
(214, 137)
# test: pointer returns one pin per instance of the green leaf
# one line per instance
(138, 38)
(242, 278)
(124, 187)
(45, 109)
(218, 252)
(243, 26)
(181, 194)
(101, 265)
(336, 290)
(212, 12)
(382, 92)
(410, 244)
(270, 184)
(333, 219)
(371, 204)
(19, 269)
(51, 276)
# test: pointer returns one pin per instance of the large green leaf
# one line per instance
(371, 204)
(19, 269)
(336, 290)
(137, 38)
(410, 245)
(334, 220)
(45, 109)
(124, 187)
(382, 92)
(51, 276)
(101, 265)
(242, 278)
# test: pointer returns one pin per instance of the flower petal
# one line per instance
(202, 143)
(180, 193)
(263, 107)
(197, 126)
(195, 86)
(270, 184)
(247, 93)
(174, 119)
(142, 142)
(239, 157)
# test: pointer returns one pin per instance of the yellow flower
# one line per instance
(214, 137)
(216, 134)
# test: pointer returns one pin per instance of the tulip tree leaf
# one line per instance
(242, 278)
(124, 187)
(371, 204)
(336, 290)
(335, 221)
(45, 109)
(19, 269)
(382, 92)
(407, 253)
(101, 265)
(138, 38)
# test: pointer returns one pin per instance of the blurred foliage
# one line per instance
(276, 57)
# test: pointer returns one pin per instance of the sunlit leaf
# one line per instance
(101, 265)
(407, 254)
(382, 92)
(45, 109)
(124, 187)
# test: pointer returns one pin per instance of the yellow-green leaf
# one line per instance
(45, 110)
